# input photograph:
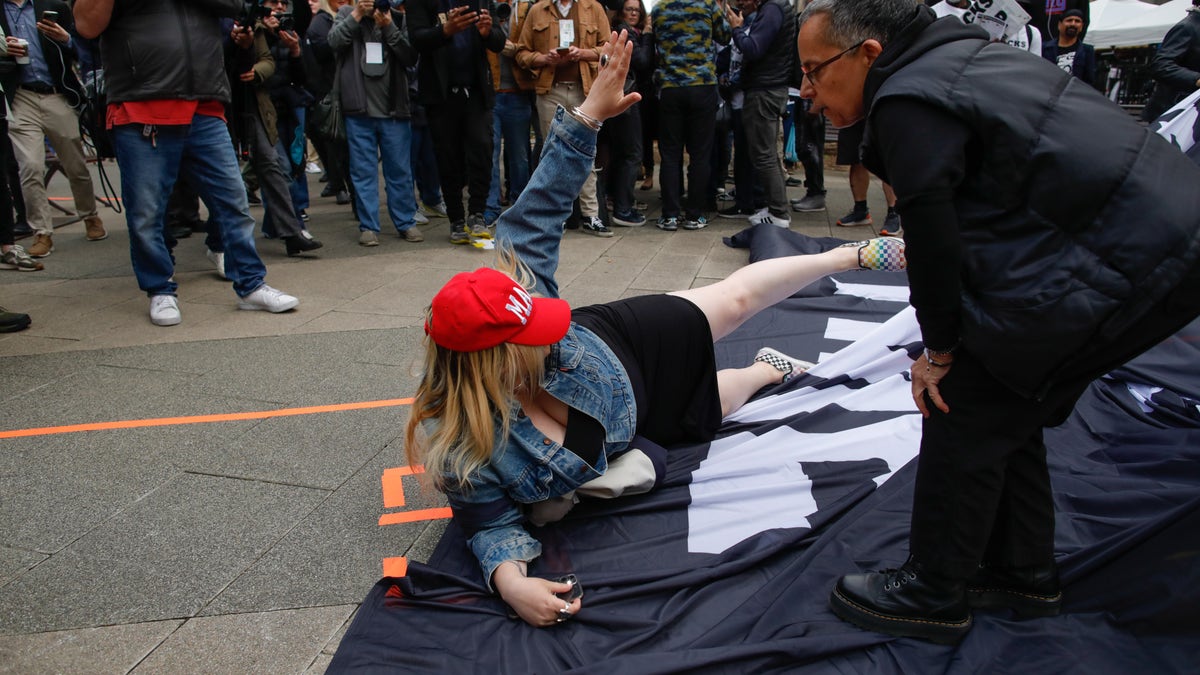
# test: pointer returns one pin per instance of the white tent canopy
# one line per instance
(1131, 23)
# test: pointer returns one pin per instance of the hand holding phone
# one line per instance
(576, 591)
(50, 15)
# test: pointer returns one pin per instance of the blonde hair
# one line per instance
(465, 394)
(328, 6)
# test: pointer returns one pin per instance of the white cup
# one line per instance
(23, 60)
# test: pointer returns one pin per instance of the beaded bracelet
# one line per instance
(587, 120)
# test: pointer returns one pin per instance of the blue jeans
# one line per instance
(512, 117)
(149, 166)
(370, 138)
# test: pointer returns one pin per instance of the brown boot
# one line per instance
(42, 246)
(94, 228)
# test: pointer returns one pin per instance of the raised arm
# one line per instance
(92, 17)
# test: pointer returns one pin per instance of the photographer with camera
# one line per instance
(168, 117)
(45, 96)
(373, 54)
(291, 98)
(457, 90)
(250, 65)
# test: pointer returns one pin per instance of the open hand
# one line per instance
(607, 97)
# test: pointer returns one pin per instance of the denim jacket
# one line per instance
(581, 371)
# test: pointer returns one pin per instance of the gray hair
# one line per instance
(852, 21)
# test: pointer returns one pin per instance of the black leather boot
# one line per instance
(906, 602)
(1029, 591)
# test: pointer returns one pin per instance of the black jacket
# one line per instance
(59, 58)
(433, 73)
(1070, 214)
(166, 49)
(774, 68)
(1176, 66)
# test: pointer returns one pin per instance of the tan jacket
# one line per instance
(539, 35)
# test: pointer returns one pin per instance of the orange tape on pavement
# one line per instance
(414, 516)
(204, 419)
(395, 567)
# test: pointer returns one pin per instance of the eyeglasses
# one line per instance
(811, 74)
(632, 9)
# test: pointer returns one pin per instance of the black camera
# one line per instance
(252, 12)
(287, 21)
(385, 5)
(502, 11)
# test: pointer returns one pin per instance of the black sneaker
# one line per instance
(855, 218)
(11, 322)
(668, 224)
(629, 219)
(891, 226)
(593, 225)
(697, 223)
(735, 212)
(478, 227)
(458, 233)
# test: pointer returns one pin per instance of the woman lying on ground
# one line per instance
(525, 402)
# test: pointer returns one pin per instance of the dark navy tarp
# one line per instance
(728, 567)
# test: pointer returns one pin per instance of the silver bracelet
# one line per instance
(587, 120)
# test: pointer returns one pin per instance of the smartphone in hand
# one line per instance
(50, 15)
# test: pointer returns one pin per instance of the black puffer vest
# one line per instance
(172, 49)
(1074, 219)
(774, 69)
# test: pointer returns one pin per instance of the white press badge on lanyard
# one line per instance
(566, 33)
(372, 65)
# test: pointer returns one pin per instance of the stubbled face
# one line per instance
(838, 90)
(1071, 27)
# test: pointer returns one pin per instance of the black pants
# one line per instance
(276, 195)
(6, 200)
(625, 155)
(687, 117)
(983, 488)
(748, 192)
(461, 130)
(810, 145)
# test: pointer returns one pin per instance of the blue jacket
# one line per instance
(1084, 66)
(581, 371)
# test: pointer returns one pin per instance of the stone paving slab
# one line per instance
(107, 649)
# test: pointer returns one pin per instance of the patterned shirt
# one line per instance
(685, 31)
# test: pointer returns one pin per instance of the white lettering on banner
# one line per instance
(1001, 18)
(753, 483)
(521, 305)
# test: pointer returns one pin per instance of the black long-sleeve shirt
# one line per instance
(926, 153)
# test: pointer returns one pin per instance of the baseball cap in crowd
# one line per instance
(1070, 13)
(485, 308)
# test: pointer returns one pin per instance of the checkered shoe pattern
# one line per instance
(885, 254)
(782, 362)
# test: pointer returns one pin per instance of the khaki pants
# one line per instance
(568, 95)
(35, 117)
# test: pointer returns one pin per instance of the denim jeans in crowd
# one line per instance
(149, 165)
(512, 117)
(371, 138)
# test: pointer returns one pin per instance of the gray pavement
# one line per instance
(243, 545)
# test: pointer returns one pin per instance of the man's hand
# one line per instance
(15, 49)
(484, 25)
(575, 55)
(383, 17)
(925, 379)
(247, 76)
(242, 37)
(732, 16)
(459, 19)
(53, 31)
(363, 8)
(551, 58)
(290, 40)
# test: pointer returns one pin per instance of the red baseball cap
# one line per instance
(485, 308)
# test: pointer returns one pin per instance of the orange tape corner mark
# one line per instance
(395, 567)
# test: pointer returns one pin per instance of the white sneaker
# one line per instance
(164, 310)
(218, 261)
(420, 218)
(312, 167)
(753, 217)
(436, 210)
(790, 367)
(765, 217)
(269, 299)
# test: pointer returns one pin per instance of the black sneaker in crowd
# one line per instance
(809, 203)
(697, 223)
(668, 224)
(593, 225)
(855, 218)
(458, 233)
(735, 212)
(630, 218)
(891, 226)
